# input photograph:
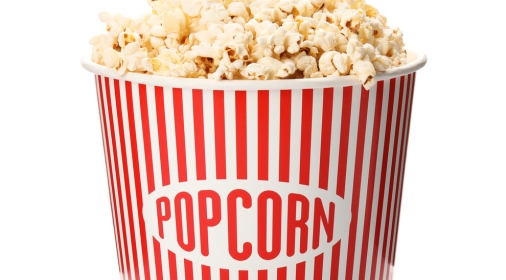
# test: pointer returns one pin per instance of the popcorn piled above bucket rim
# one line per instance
(252, 39)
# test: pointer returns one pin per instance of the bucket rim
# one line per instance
(416, 61)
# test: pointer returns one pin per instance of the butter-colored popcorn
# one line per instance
(252, 39)
(365, 72)
(278, 69)
(213, 12)
(238, 9)
(111, 58)
(355, 50)
(131, 58)
(324, 40)
(306, 63)
(256, 71)
(327, 68)
(342, 62)
(333, 63)
(381, 63)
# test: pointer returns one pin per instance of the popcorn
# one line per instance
(252, 39)
(355, 50)
(306, 63)
(365, 72)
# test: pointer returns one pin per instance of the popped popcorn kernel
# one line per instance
(252, 39)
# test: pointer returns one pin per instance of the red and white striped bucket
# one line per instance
(246, 180)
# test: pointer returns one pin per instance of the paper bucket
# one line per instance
(286, 180)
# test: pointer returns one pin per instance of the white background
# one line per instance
(55, 218)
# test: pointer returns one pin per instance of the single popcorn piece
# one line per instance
(365, 72)
(252, 39)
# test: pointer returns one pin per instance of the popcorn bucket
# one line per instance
(245, 180)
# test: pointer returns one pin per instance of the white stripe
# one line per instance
(402, 162)
(189, 132)
(352, 149)
(197, 268)
(364, 183)
(295, 133)
(252, 134)
(133, 195)
(316, 136)
(272, 274)
(171, 134)
(142, 171)
(252, 275)
(386, 92)
(394, 190)
(122, 175)
(291, 271)
(153, 133)
(309, 266)
(274, 128)
(383, 230)
(327, 262)
(314, 173)
(215, 273)
(405, 145)
(335, 139)
(233, 274)
(208, 101)
(113, 165)
(230, 141)
(156, 161)
(180, 268)
(103, 116)
(377, 179)
(397, 177)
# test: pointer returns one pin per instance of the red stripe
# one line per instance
(110, 177)
(384, 165)
(318, 267)
(241, 135)
(206, 272)
(158, 259)
(119, 198)
(405, 157)
(284, 134)
(172, 265)
(243, 275)
(328, 102)
(126, 177)
(137, 178)
(357, 181)
(162, 135)
(372, 176)
(282, 273)
(263, 135)
(345, 135)
(219, 134)
(224, 274)
(177, 97)
(262, 275)
(392, 174)
(400, 172)
(300, 271)
(147, 137)
(305, 136)
(335, 261)
(198, 122)
(188, 270)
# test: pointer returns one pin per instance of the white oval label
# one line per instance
(245, 224)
